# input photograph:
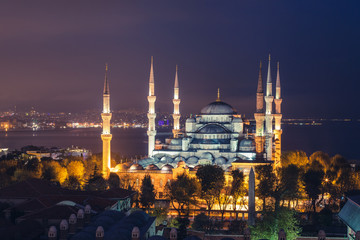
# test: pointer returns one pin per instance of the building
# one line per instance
(217, 135)
(35, 205)
(350, 215)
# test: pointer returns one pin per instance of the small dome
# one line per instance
(207, 155)
(136, 167)
(121, 167)
(190, 120)
(213, 128)
(218, 107)
(192, 160)
(167, 168)
(247, 145)
(220, 161)
(151, 167)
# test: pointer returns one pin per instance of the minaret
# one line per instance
(269, 98)
(151, 114)
(176, 101)
(259, 117)
(106, 135)
(278, 116)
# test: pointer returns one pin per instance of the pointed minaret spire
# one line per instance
(151, 79)
(218, 95)
(260, 93)
(268, 81)
(260, 82)
(176, 85)
(278, 88)
(176, 102)
(106, 82)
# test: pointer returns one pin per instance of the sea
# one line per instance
(332, 137)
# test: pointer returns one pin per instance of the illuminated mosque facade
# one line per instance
(217, 135)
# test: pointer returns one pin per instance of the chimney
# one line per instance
(64, 229)
(282, 234)
(173, 234)
(135, 234)
(52, 234)
(80, 219)
(321, 235)
(72, 224)
(99, 233)
(87, 213)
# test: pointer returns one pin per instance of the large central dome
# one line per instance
(218, 107)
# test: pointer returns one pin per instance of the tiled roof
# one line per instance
(350, 213)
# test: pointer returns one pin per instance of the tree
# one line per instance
(76, 169)
(212, 180)
(223, 200)
(53, 171)
(201, 222)
(182, 193)
(267, 181)
(34, 167)
(322, 158)
(181, 223)
(312, 181)
(238, 188)
(114, 181)
(147, 192)
(273, 221)
(72, 183)
(160, 213)
(298, 158)
(289, 178)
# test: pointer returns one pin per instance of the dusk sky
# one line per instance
(52, 54)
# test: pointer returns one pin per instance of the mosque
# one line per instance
(217, 135)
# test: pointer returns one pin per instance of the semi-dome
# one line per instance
(218, 107)
(166, 159)
(178, 158)
(192, 160)
(213, 128)
(207, 155)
